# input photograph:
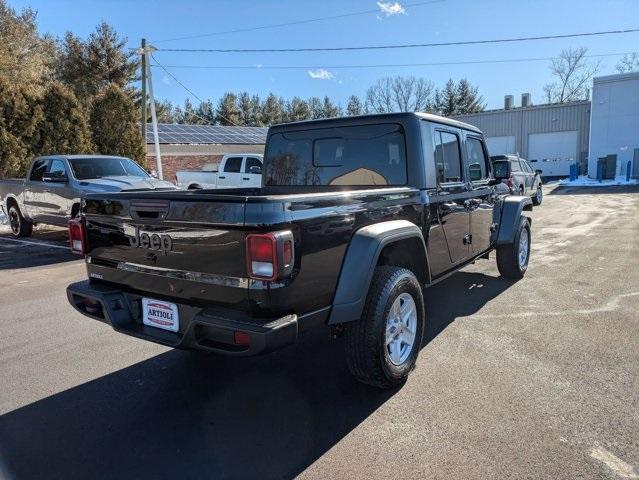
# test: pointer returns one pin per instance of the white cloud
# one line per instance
(388, 8)
(320, 74)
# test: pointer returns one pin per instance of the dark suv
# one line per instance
(520, 177)
(354, 217)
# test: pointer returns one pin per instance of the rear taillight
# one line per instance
(77, 236)
(270, 256)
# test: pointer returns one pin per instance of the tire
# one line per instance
(508, 256)
(20, 227)
(370, 359)
(539, 197)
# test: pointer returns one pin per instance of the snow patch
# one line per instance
(4, 222)
(584, 181)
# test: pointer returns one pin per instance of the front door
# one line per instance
(482, 200)
(249, 179)
(56, 196)
(33, 190)
(452, 193)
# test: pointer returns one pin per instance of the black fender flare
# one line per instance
(359, 265)
(512, 208)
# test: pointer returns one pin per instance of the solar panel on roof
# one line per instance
(186, 134)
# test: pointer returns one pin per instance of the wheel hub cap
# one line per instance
(523, 248)
(14, 221)
(401, 325)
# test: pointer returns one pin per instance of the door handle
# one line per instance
(221, 178)
(245, 178)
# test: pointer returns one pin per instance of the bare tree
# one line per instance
(573, 73)
(399, 94)
(629, 63)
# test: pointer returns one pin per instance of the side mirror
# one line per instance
(539, 172)
(501, 170)
(255, 169)
(55, 178)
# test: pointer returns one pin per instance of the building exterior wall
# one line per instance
(522, 122)
(615, 121)
(193, 157)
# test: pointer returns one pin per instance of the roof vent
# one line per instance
(509, 101)
(525, 100)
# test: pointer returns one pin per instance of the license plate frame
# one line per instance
(160, 314)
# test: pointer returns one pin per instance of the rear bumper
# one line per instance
(200, 329)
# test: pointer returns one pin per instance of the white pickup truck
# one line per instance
(236, 170)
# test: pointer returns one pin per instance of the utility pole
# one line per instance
(145, 52)
(144, 98)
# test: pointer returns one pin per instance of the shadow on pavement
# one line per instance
(595, 190)
(44, 247)
(185, 415)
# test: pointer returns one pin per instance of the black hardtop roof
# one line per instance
(368, 119)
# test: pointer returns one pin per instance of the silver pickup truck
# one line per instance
(54, 186)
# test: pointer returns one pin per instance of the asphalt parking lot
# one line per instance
(533, 379)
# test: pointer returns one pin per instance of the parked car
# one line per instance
(54, 186)
(354, 217)
(520, 177)
(236, 170)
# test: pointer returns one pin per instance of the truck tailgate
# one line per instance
(180, 245)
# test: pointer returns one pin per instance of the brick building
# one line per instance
(190, 147)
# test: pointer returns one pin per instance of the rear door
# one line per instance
(253, 180)
(33, 189)
(482, 201)
(229, 175)
(452, 192)
(519, 178)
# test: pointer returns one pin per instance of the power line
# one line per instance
(191, 93)
(386, 47)
(381, 65)
(298, 22)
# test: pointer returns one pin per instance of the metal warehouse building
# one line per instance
(614, 133)
(190, 147)
(551, 136)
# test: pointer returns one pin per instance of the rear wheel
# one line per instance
(512, 258)
(382, 347)
(20, 227)
(539, 196)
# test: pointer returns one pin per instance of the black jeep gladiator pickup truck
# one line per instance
(355, 216)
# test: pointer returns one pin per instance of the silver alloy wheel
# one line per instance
(539, 195)
(14, 220)
(401, 326)
(524, 246)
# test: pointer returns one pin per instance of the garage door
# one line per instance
(500, 145)
(553, 153)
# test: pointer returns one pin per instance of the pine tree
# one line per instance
(187, 115)
(227, 112)
(271, 110)
(298, 110)
(446, 99)
(20, 115)
(90, 67)
(64, 127)
(255, 116)
(329, 109)
(316, 107)
(26, 58)
(354, 106)
(205, 113)
(468, 98)
(114, 125)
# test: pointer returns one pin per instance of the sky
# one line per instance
(389, 22)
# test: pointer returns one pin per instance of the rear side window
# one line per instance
(514, 166)
(364, 155)
(39, 167)
(233, 165)
(477, 165)
(447, 157)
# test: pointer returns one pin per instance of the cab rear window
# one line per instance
(366, 155)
